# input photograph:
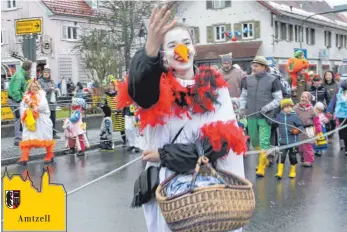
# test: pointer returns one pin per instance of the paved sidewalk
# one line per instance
(10, 153)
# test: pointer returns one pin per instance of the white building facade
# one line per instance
(62, 25)
(262, 28)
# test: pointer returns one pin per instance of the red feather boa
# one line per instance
(200, 97)
(219, 132)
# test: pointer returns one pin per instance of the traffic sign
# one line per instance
(303, 50)
(324, 54)
(271, 61)
(28, 26)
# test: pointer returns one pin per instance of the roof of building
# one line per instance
(305, 9)
(239, 50)
(70, 7)
(315, 7)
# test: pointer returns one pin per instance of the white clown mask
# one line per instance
(179, 50)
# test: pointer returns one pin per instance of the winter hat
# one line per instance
(79, 102)
(287, 102)
(236, 101)
(260, 60)
(27, 65)
(316, 78)
(227, 58)
(107, 110)
(319, 106)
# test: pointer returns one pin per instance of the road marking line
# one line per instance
(104, 176)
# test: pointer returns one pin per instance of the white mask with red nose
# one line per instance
(178, 49)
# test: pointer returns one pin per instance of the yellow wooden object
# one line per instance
(6, 112)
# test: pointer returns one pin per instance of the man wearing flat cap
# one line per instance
(16, 90)
(261, 95)
(232, 75)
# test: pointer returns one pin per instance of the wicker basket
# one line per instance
(214, 208)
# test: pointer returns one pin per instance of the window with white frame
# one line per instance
(277, 30)
(4, 36)
(218, 4)
(70, 33)
(11, 4)
(339, 41)
(298, 33)
(327, 38)
(192, 33)
(283, 31)
(219, 33)
(247, 30)
(290, 32)
(310, 36)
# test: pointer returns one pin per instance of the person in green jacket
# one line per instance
(16, 90)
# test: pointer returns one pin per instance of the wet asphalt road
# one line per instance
(316, 201)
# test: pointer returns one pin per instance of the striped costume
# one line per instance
(117, 116)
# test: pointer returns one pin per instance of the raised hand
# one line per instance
(157, 28)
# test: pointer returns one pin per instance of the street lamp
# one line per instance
(337, 9)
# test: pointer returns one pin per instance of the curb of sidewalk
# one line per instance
(58, 153)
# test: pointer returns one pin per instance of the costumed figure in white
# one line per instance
(131, 128)
(106, 130)
(75, 129)
(194, 100)
(63, 87)
(37, 125)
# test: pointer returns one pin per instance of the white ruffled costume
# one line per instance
(161, 135)
(42, 135)
(44, 125)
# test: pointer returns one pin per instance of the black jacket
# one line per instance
(319, 94)
(144, 80)
(332, 88)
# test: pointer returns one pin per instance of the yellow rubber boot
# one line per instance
(257, 148)
(280, 171)
(262, 165)
(292, 172)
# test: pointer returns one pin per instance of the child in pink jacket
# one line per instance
(310, 121)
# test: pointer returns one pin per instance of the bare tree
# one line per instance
(99, 53)
(123, 20)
